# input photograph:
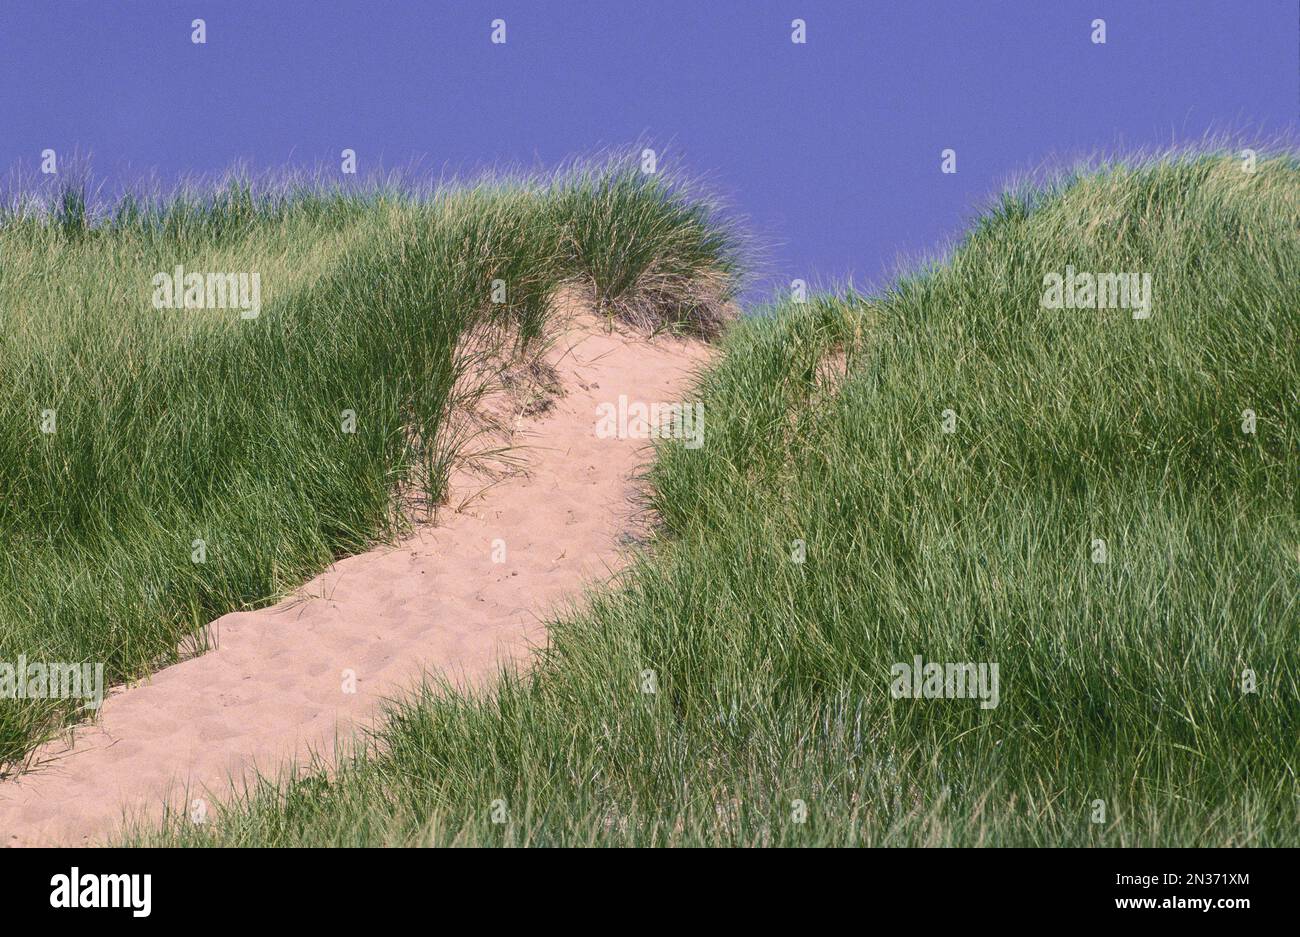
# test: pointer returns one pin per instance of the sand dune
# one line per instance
(272, 690)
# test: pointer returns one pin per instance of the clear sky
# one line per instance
(830, 148)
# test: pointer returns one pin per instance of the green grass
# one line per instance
(1119, 682)
(180, 425)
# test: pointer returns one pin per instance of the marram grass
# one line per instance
(161, 467)
(1146, 699)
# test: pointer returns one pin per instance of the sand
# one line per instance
(272, 691)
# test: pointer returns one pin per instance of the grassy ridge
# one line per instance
(1121, 681)
(178, 425)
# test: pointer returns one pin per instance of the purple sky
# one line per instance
(829, 149)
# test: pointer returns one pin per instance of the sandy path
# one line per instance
(272, 690)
